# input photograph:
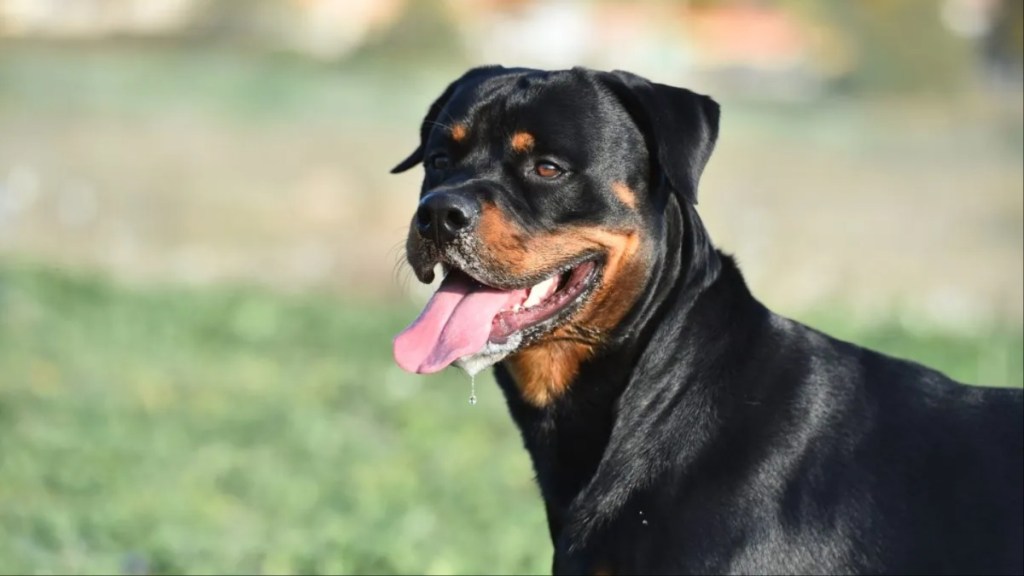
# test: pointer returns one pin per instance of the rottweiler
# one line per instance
(675, 424)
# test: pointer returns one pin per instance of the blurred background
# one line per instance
(199, 243)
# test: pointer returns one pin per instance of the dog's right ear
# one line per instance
(435, 110)
(680, 127)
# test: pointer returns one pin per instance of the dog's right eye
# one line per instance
(548, 170)
(440, 162)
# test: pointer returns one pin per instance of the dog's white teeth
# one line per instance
(540, 291)
(533, 300)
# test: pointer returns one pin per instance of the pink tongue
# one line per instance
(455, 323)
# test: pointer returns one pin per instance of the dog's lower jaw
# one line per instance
(491, 354)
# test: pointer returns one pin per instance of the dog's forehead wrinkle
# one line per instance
(533, 92)
(472, 101)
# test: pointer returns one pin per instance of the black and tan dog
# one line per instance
(675, 424)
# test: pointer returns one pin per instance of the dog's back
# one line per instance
(897, 465)
(783, 450)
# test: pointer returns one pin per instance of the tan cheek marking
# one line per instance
(459, 132)
(625, 194)
(622, 281)
(545, 370)
(522, 141)
(514, 252)
(502, 242)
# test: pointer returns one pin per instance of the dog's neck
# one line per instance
(570, 438)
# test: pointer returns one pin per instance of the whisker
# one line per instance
(439, 124)
(400, 270)
(581, 339)
(449, 115)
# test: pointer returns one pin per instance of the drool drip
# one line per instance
(472, 389)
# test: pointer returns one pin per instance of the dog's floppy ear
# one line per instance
(680, 127)
(435, 110)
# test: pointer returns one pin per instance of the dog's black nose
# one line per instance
(442, 215)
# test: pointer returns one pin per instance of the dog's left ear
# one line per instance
(435, 110)
(680, 127)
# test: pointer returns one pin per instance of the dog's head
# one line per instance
(543, 202)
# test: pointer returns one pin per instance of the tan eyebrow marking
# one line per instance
(459, 132)
(522, 141)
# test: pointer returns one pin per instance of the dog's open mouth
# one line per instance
(466, 318)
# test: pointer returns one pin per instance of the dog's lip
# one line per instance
(524, 282)
(575, 283)
(552, 311)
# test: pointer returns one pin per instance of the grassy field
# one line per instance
(229, 430)
(225, 429)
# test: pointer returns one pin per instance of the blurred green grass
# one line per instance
(231, 429)
(234, 429)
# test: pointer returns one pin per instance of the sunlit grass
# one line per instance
(234, 430)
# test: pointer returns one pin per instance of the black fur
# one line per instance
(709, 435)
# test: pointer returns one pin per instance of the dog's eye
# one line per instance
(440, 162)
(548, 170)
